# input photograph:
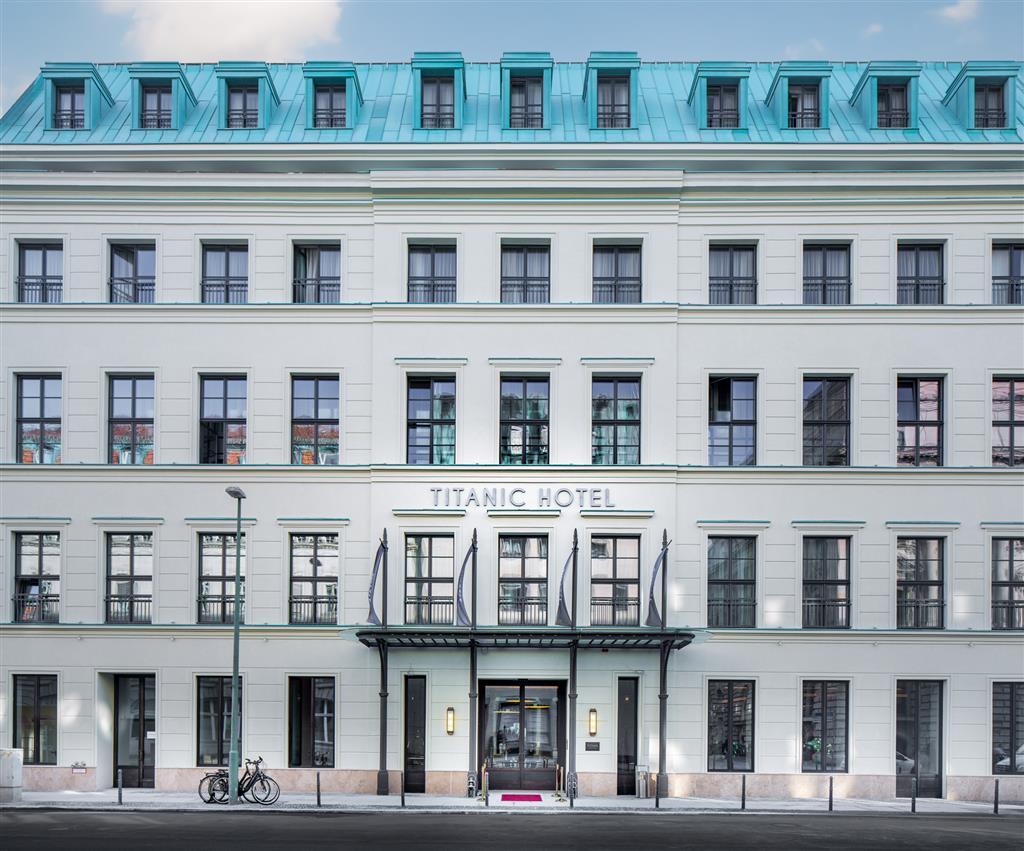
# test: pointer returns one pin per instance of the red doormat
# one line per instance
(536, 798)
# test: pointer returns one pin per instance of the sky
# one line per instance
(36, 31)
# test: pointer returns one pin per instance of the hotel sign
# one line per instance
(452, 497)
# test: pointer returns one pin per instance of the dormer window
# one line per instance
(893, 108)
(156, 107)
(989, 109)
(69, 106)
(723, 105)
(804, 106)
(438, 103)
(612, 101)
(526, 102)
(243, 106)
(329, 110)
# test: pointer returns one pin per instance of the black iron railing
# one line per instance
(529, 292)
(244, 119)
(316, 290)
(827, 614)
(325, 118)
(37, 608)
(895, 118)
(225, 290)
(129, 609)
(523, 611)
(612, 116)
(524, 117)
(919, 614)
(68, 119)
(727, 118)
(429, 610)
(732, 613)
(806, 119)
(733, 290)
(1008, 289)
(616, 292)
(1008, 614)
(438, 117)
(919, 290)
(219, 608)
(137, 290)
(432, 291)
(312, 610)
(40, 289)
(826, 290)
(989, 118)
(155, 119)
(614, 611)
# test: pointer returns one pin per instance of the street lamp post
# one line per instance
(238, 495)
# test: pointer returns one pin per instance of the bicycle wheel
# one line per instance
(205, 795)
(219, 789)
(265, 790)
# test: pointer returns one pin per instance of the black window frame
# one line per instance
(1009, 289)
(73, 118)
(222, 715)
(334, 117)
(41, 421)
(231, 289)
(435, 116)
(823, 610)
(520, 609)
(891, 117)
(161, 117)
(434, 422)
(248, 117)
(317, 421)
(530, 116)
(619, 288)
(320, 288)
(1008, 609)
(129, 608)
(133, 421)
(737, 607)
(800, 118)
(732, 423)
(506, 423)
(914, 612)
(828, 724)
(917, 423)
(827, 289)
(525, 288)
(916, 289)
(1011, 738)
(616, 422)
(36, 733)
(1013, 456)
(303, 723)
(820, 452)
(439, 608)
(135, 288)
(733, 288)
(438, 289)
(218, 454)
(734, 721)
(988, 117)
(718, 116)
(624, 608)
(43, 606)
(320, 607)
(220, 608)
(40, 289)
(614, 116)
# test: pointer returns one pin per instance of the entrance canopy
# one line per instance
(600, 638)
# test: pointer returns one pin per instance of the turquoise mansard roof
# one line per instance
(386, 115)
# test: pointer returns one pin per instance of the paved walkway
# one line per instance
(153, 799)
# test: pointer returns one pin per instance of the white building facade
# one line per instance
(487, 310)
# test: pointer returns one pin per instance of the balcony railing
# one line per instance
(1007, 289)
(805, 119)
(726, 118)
(129, 609)
(438, 118)
(313, 610)
(40, 289)
(225, 290)
(219, 609)
(732, 613)
(616, 292)
(989, 118)
(614, 611)
(155, 119)
(919, 290)
(137, 290)
(826, 290)
(432, 292)
(37, 608)
(243, 119)
(1008, 614)
(528, 292)
(316, 290)
(826, 614)
(733, 290)
(919, 614)
(613, 117)
(524, 611)
(429, 610)
(68, 119)
(526, 117)
(327, 118)
(894, 118)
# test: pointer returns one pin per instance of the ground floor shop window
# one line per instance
(311, 722)
(35, 718)
(213, 711)
(825, 725)
(730, 725)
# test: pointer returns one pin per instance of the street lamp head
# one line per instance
(235, 492)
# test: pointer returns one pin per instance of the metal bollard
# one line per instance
(830, 779)
(995, 799)
(743, 791)
(487, 789)
(913, 798)
(657, 794)
(318, 788)
(401, 785)
(119, 787)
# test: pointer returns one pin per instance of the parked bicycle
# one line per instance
(255, 785)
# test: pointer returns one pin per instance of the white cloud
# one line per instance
(805, 49)
(961, 10)
(872, 30)
(270, 30)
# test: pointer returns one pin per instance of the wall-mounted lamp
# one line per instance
(449, 720)
(592, 722)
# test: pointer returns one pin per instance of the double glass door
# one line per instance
(919, 738)
(134, 729)
(522, 731)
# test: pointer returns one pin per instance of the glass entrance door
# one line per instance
(415, 762)
(135, 729)
(919, 738)
(627, 738)
(522, 728)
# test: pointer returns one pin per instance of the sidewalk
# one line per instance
(155, 800)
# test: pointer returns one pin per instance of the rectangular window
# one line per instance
(733, 274)
(217, 578)
(1008, 273)
(919, 275)
(826, 421)
(989, 108)
(311, 722)
(526, 102)
(825, 727)
(213, 718)
(523, 580)
(1008, 728)
(892, 105)
(615, 581)
(804, 107)
(39, 419)
(617, 274)
(132, 274)
(1008, 583)
(329, 105)
(35, 718)
(1008, 421)
(37, 577)
(155, 112)
(225, 274)
(732, 422)
(524, 420)
(826, 583)
(430, 420)
(437, 105)
(826, 274)
(431, 274)
(724, 105)
(612, 101)
(919, 422)
(429, 579)
(129, 577)
(314, 579)
(40, 273)
(732, 582)
(730, 725)
(615, 425)
(130, 420)
(525, 274)
(243, 106)
(69, 106)
(315, 419)
(317, 277)
(222, 419)
(920, 587)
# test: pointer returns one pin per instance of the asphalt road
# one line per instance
(521, 831)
